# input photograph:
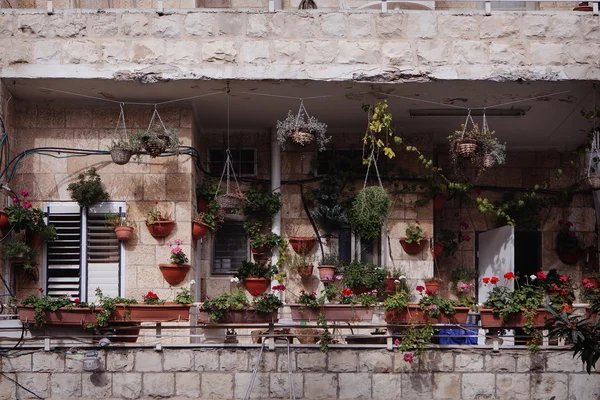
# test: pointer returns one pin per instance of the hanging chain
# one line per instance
(466, 123)
(228, 169)
(122, 120)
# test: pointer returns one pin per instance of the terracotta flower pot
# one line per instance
(414, 247)
(240, 317)
(62, 316)
(259, 249)
(413, 314)
(433, 286)
(199, 230)
(168, 312)
(257, 285)
(306, 271)
(439, 200)
(260, 258)
(161, 229)
(583, 6)
(569, 257)
(302, 245)
(438, 250)
(326, 272)
(333, 312)
(389, 284)
(124, 232)
(489, 319)
(202, 205)
(174, 273)
(34, 241)
(4, 224)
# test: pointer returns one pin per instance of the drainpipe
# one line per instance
(276, 188)
(596, 196)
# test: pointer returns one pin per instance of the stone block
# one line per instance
(178, 360)
(127, 385)
(498, 26)
(220, 52)
(342, 361)
(74, 362)
(387, 386)
(165, 26)
(135, 24)
(433, 52)
(500, 363)
(564, 362)
(512, 386)
(148, 361)
(37, 382)
(96, 385)
(216, 385)
(320, 52)
(22, 363)
(565, 27)
(446, 386)
(233, 360)
(320, 386)
(458, 26)
(160, 384)
(535, 26)
(200, 24)
(401, 366)
(287, 52)
(531, 363)
(311, 361)
(391, 25)
(283, 365)
(115, 51)
(465, 362)
(333, 25)
(478, 386)
(67, 26)
(46, 52)
(147, 51)
(8, 387)
(280, 387)
(374, 361)
(358, 52)
(187, 384)
(354, 386)
(436, 361)
(260, 389)
(508, 53)
(7, 25)
(548, 53)
(397, 53)
(417, 386)
(48, 362)
(584, 386)
(79, 51)
(255, 52)
(182, 52)
(469, 52)
(299, 25)
(360, 25)
(421, 25)
(546, 385)
(268, 361)
(66, 385)
(103, 25)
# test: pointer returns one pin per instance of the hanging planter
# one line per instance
(302, 245)
(590, 162)
(124, 233)
(174, 273)
(199, 230)
(569, 257)
(122, 224)
(369, 211)
(414, 247)
(493, 152)
(256, 286)
(301, 130)
(327, 272)
(120, 156)
(161, 229)
(121, 150)
(4, 224)
(158, 138)
(438, 250)
(464, 142)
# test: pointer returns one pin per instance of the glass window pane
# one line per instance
(231, 247)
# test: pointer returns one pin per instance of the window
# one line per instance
(352, 247)
(86, 254)
(350, 161)
(231, 247)
(243, 160)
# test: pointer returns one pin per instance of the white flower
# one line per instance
(192, 282)
(234, 280)
(402, 277)
(533, 277)
(397, 281)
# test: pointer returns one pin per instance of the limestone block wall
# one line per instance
(340, 374)
(168, 181)
(316, 45)
(524, 170)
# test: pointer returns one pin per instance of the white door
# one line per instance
(496, 256)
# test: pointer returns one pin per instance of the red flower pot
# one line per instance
(414, 247)
(326, 272)
(333, 312)
(124, 232)
(260, 257)
(433, 286)
(389, 284)
(302, 245)
(257, 285)
(199, 230)
(439, 200)
(168, 312)
(34, 241)
(4, 224)
(161, 229)
(438, 250)
(569, 257)
(174, 273)
(202, 205)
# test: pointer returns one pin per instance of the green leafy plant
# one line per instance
(434, 305)
(116, 219)
(447, 238)
(206, 190)
(184, 296)
(45, 303)
(104, 307)
(15, 248)
(463, 275)
(130, 145)
(358, 275)
(213, 217)
(154, 215)
(301, 129)
(397, 301)
(261, 205)
(414, 233)
(369, 212)
(298, 262)
(221, 304)
(414, 340)
(329, 211)
(152, 298)
(254, 270)
(88, 190)
(22, 216)
(308, 299)
(266, 303)
(325, 336)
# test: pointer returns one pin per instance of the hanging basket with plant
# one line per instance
(158, 138)
(88, 190)
(122, 224)
(369, 211)
(122, 149)
(415, 241)
(491, 151)
(301, 130)
(464, 142)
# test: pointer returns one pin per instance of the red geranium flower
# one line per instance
(256, 293)
(420, 288)
(564, 278)
(466, 238)
(541, 275)
(486, 280)
(346, 292)
(509, 275)
(77, 301)
(494, 280)
(408, 357)
(429, 293)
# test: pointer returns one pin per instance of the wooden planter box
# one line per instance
(489, 319)
(168, 312)
(414, 315)
(240, 317)
(333, 312)
(63, 316)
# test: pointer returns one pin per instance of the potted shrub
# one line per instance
(363, 277)
(414, 242)
(122, 150)
(176, 271)
(327, 267)
(159, 223)
(568, 246)
(301, 130)
(300, 265)
(369, 212)
(328, 211)
(256, 277)
(24, 217)
(234, 308)
(157, 139)
(88, 190)
(122, 224)
(154, 309)
(209, 220)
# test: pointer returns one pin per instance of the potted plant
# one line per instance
(88, 190)
(436, 309)
(159, 223)
(369, 212)
(301, 130)
(363, 277)
(4, 224)
(492, 151)
(122, 150)
(55, 311)
(157, 139)
(256, 277)
(352, 307)
(122, 224)
(176, 271)
(327, 267)
(209, 220)
(154, 309)
(234, 308)
(568, 246)
(302, 245)
(231, 203)
(463, 280)
(301, 265)
(464, 143)
(17, 251)
(205, 193)
(414, 242)
(328, 211)
(394, 277)
(24, 217)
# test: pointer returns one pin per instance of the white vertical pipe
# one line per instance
(276, 188)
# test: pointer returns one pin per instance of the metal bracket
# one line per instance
(49, 7)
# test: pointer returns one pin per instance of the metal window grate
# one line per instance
(63, 256)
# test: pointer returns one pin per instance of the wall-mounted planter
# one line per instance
(257, 285)
(414, 314)
(199, 230)
(34, 241)
(4, 224)
(124, 233)
(438, 250)
(202, 205)
(168, 312)
(63, 316)
(240, 317)
(333, 312)
(489, 319)
(161, 229)
(302, 245)
(569, 257)
(433, 286)
(306, 271)
(174, 273)
(414, 247)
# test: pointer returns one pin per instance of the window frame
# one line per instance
(70, 206)
(237, 150)
(213, 254)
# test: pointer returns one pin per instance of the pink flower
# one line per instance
(169, 243)
(408, 357)
(24, 193)
(27, 204)
(14, 199)
(338, 277)
(328, 278)
(420, 288)
(397, 342)
(464, 287)
(433, 307)
(178, 242)
(466, 238)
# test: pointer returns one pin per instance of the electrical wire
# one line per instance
(21, 386)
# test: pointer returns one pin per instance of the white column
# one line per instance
(276, 188)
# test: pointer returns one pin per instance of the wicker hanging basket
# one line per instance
(121, 156)
(301, 137)
(229, 201)
(466, 147)
(488, 161)
(156, 145)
